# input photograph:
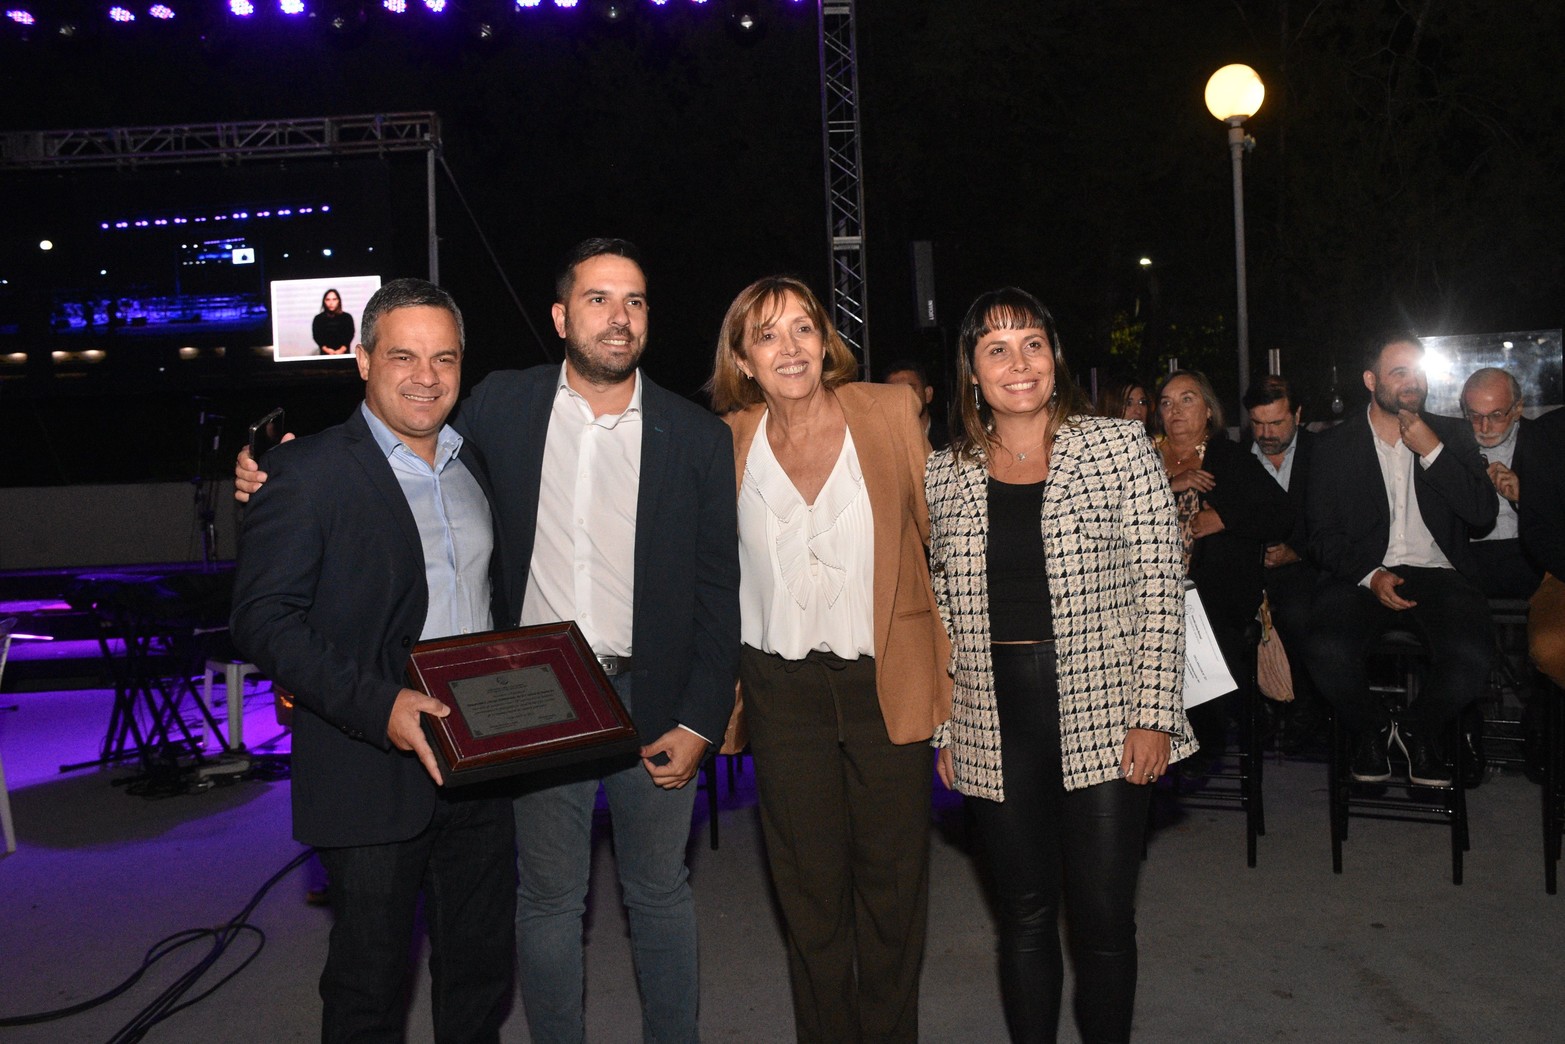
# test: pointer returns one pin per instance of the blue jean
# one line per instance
(651, 828)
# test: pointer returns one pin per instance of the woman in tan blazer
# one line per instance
(1057, 569)
(844, 660)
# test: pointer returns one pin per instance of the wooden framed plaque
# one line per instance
(521, 700)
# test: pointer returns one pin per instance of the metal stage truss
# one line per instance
(239, 141)
(844, 181)
(233, 142)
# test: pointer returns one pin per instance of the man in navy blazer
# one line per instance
(615, 503)
(368, 537)
(1394, 495)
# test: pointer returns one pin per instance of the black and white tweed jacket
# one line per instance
(1112, 551)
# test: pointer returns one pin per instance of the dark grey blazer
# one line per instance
(1349, 517)
(685, 627)
(329, 599)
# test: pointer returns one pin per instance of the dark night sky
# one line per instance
(1408, 167)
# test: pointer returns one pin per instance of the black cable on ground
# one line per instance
(171, 999)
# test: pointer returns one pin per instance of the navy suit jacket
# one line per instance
(1349, 514)
(329, 599)
(685, 626)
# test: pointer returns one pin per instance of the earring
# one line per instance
(977, 402)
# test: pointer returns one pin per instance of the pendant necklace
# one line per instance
(1023, 455)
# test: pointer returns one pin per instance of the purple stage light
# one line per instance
(119, 14)
(291, 7)
(162, 12)
(523, 4)
(242, 8)
(21, 17)
(395, 6)
(564, 3)
(436, 6)
(660, 3)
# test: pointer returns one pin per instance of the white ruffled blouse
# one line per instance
(806, 570)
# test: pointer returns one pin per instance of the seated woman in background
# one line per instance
(1055, 556)
(1126, 398)
(1229, 511)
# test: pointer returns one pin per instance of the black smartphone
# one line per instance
(267, 432)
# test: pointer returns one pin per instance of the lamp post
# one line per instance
(1234, 94)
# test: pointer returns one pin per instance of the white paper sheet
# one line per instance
(1206, 672)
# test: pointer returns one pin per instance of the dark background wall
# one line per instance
(1408, 172)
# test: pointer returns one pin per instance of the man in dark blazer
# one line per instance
(368, 537)
(1492, 402)
(1394, 495)
(615, 503)
(1285, 448)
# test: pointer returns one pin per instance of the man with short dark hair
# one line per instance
(915, 375)
(615, 504)
(1394, 494)
(1285, 449)
(1492, 403)
(368, 537)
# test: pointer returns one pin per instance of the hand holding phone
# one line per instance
(267, 432)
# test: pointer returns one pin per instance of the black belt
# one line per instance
(613, 665)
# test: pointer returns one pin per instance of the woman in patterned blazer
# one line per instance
(1056, 565)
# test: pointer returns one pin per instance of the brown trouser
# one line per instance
(845, 813)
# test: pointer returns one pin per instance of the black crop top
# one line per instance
(1019, 608)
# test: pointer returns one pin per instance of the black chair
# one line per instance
(1348, 797)
(709, 784)
(1496, 730)
(1240, 764)
(1553, 781)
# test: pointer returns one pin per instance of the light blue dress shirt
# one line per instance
(454, 526)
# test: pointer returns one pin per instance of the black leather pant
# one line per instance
(1045, 844)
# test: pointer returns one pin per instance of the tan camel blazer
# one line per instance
(911, 648)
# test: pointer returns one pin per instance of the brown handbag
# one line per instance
(1272, 672)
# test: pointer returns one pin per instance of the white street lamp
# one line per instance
(1234, 94)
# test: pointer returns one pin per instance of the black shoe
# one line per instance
(1424, 766)
(1369, 763)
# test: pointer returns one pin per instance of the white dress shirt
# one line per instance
(806, 571)
(1411, 543)
(584, 552)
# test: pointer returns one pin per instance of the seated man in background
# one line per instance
(1394, 493)
(1285, 449)
(1492, 404)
